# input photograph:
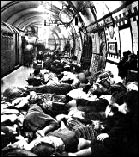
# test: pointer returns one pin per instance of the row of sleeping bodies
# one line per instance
(56, 67)
(63, 104)
(58, 64)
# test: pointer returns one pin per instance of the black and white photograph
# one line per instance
(69, 78)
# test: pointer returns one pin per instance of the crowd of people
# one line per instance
(65, 111)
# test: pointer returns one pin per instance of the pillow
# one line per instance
(77, 93)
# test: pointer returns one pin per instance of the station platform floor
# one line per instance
(17, 78)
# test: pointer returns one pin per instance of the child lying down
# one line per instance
(57, 142)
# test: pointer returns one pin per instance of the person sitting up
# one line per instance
(36, 78)
(122, 65)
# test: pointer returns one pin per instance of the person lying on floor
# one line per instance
(117, 128)
(85, 103)
(71, 78)
(36, 120)
(78, 122)
(80, 116)
(58, 142)
(80, 93)
(116, 118)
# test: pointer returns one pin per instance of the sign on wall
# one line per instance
(126, 40)
(112, 47)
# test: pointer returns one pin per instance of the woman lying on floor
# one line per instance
(36, 120)
(62, 140)
(120, 125)
(109, 141)
(57, 143)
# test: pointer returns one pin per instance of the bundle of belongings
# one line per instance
(67, 112)
(104, 81)
(48, 83)
(58, 65)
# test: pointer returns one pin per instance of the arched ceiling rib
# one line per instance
(17, 17)
(18, 7)
(18, 13)
(24, 16)
(27, 22)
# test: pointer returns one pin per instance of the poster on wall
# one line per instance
(126, 40)
(102, 41)
(112, 47)
(94, 37)
(135, 36)
(94, 64)
(102, 49)
(98, 56)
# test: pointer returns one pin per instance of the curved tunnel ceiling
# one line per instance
(23, 13)
(15, 18)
